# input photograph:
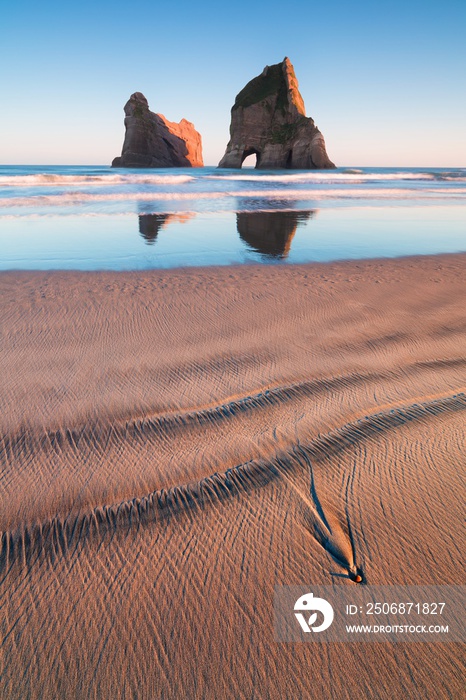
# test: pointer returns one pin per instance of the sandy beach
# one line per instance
(174, 444)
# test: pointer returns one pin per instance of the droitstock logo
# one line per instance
(347, 613)
(307, 603)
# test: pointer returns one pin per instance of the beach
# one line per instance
(176, 443)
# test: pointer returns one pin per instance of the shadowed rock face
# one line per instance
(151, 141)
(269, 119)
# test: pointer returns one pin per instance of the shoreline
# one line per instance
(238, 266)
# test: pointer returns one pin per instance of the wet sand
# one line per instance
(176, 443)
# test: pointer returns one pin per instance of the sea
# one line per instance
(99, 218)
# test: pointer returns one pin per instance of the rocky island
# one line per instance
(268, 119)
(151, 141)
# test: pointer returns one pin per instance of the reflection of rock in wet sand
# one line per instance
(271, 232)
(151, 224)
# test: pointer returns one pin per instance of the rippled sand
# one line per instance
(175, 444)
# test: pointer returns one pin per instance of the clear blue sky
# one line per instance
(385, 82)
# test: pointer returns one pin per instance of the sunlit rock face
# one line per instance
(151, 141)
(268, 119)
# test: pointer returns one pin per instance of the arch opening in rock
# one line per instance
(246, 155)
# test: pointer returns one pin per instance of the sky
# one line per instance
(384, 82)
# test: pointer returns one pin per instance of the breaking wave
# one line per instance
(350, 176)
(44, 189)
(71, 198)
(45, 179)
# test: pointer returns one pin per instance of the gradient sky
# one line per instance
(385, 82)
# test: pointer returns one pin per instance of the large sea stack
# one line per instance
(151, 141)
(268, 119)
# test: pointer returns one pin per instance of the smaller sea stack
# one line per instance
(151, 141)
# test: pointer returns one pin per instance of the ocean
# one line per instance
(96, 217)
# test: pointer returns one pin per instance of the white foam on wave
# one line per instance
(309, 195)
(350, 176)
(451, 177)
(49, 179)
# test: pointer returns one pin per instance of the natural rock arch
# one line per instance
(268, 118)
(251, 152)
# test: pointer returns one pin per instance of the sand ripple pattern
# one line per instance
(61, 533)
(175, 444)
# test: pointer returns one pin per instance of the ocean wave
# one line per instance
(452, 176)
(309, 195)
(47, 179)
(351, 176)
